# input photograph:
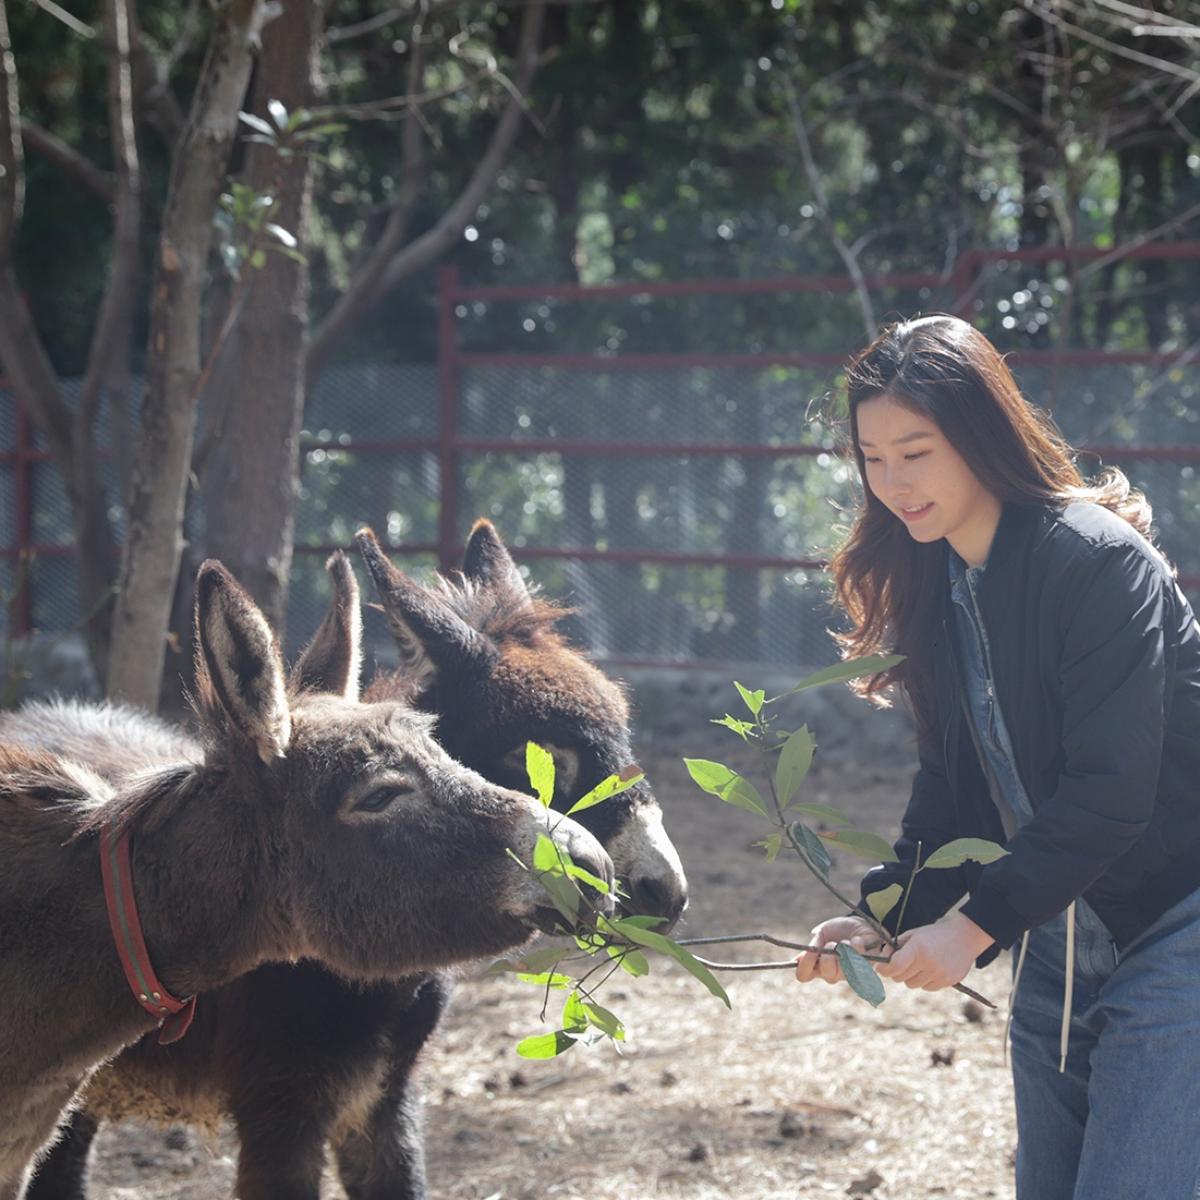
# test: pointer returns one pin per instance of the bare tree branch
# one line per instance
(59, 13)
(848, 257)
(1146, 60)
(69, 160)
(389, 264)
(345, 33)
(114, 325)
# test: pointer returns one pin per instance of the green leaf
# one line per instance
(709, 776)
(795, 759)
(882, 902)
(842, 672)
(859, 975)
(664, 945)
(256, 123)
(587, 877)
(550, 866)
(258, 259)
(633, 961)
(535, 960)
(741, 793)
(545, 1045)
(719, 780)
(606, 1021)
(961, 850)
(644, 921)
(574, 1015)
(539, 766)
(754, 700)
(812, 848)
(741, 728)
(612, 785)
(591, 943)
(279, 113)
(771, 845)
(865, 845)
(822, 812)
(547, 979)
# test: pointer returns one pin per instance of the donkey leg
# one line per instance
(62, 1172)
(385, 1160)
(282, 1152)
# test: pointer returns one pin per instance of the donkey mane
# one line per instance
(149, 801)
(503, 613)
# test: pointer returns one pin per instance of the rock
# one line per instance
(866, 1185)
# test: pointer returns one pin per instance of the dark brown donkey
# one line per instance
(306, 826)
(296, 1056)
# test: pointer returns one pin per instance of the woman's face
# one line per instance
(914, 471)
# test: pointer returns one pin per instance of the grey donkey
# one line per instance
(333, 1063)
(303, 825)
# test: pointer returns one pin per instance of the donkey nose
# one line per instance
(652, 896)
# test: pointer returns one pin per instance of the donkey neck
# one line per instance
(208, 870)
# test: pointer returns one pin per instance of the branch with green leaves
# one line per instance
(603, 945)
(793, 752)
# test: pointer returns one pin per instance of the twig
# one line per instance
(791, 963)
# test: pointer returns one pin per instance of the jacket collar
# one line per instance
(1017, 524)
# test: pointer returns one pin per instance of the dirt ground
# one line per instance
(796, 1092)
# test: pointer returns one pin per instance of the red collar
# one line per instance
(174, 1016)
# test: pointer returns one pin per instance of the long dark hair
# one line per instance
(887, 583)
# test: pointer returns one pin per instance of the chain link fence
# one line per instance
(615, 484)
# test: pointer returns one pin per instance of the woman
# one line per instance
(1053, 667)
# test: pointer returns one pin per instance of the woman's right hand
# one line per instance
(855, 930)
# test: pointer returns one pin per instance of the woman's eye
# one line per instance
(918, 454)
(379, 798)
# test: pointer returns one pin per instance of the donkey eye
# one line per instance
(377, 799)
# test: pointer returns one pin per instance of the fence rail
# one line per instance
(449, 443)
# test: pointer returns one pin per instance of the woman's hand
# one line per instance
(828, 967)
(936, 956)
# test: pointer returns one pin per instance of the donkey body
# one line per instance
(293, 1054)
(305, 825)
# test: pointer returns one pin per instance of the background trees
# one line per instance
(574, 141)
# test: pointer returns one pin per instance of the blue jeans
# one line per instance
(1123, 1121)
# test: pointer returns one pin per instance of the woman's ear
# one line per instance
(239, 672)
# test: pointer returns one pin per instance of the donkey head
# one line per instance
(483, 654)
(389, 856)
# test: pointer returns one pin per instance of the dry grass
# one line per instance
(796, 1092)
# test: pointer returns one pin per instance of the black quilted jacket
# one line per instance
(1096, 659)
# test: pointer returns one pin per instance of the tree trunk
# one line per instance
(250, 481)
(152, 549)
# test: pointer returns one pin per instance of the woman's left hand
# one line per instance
(936, 956)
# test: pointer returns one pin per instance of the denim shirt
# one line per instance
(990, 734)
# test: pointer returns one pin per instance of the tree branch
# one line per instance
(389, 264)
(114, 324)
(866, 307)
(55, 150)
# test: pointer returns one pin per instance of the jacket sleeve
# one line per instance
(1112, 679)
(929, 821)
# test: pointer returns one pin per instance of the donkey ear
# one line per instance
(430, 635)
(331, 662)
(238, 668)
(487, 561)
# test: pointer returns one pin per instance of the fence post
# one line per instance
(963, 282)
(21, 610)
(447, 530)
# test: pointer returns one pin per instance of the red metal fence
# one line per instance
(958, 290)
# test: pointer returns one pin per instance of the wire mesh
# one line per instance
(639, 497)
